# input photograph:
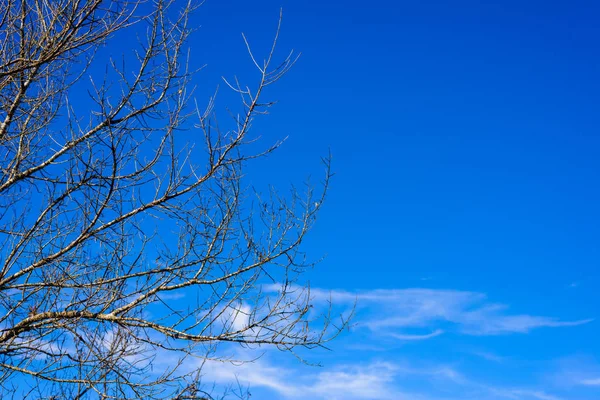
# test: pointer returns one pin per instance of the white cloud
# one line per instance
(393, 312)
(379, 380)
(408, 337)
(413, 314)
(575, 370)
(256, 373)
(486, 355)
(375, 380)
(356, 382)
(171, 296)
(522, 394)
(591, 382)
(236, 317)
(344, 382)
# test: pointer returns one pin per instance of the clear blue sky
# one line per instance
(464, 214)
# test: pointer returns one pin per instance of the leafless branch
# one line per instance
(126, 228)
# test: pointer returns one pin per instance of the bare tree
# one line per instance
(127, 232)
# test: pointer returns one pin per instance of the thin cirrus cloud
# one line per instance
(523, 394)
(409, 315)
(591, 382)
(577, 370)
(374, 381)
(418, 314)
(366, 382)
(379, 380)
(401, 336)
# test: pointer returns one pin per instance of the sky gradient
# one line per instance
(463, 217)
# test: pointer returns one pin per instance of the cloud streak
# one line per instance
(372, 381)
(408, 337)
(376, 380)
(591, 382)
(405, 313)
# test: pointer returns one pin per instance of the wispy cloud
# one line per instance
(401, 336)
(399, 312)
(522, 394)
(357, 382)
(404, 315)
(372, 381)
(591, 382)
(486, 355)
(576, 370)
(257, 373)
(378, 380)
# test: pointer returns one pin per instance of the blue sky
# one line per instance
(464, 212)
